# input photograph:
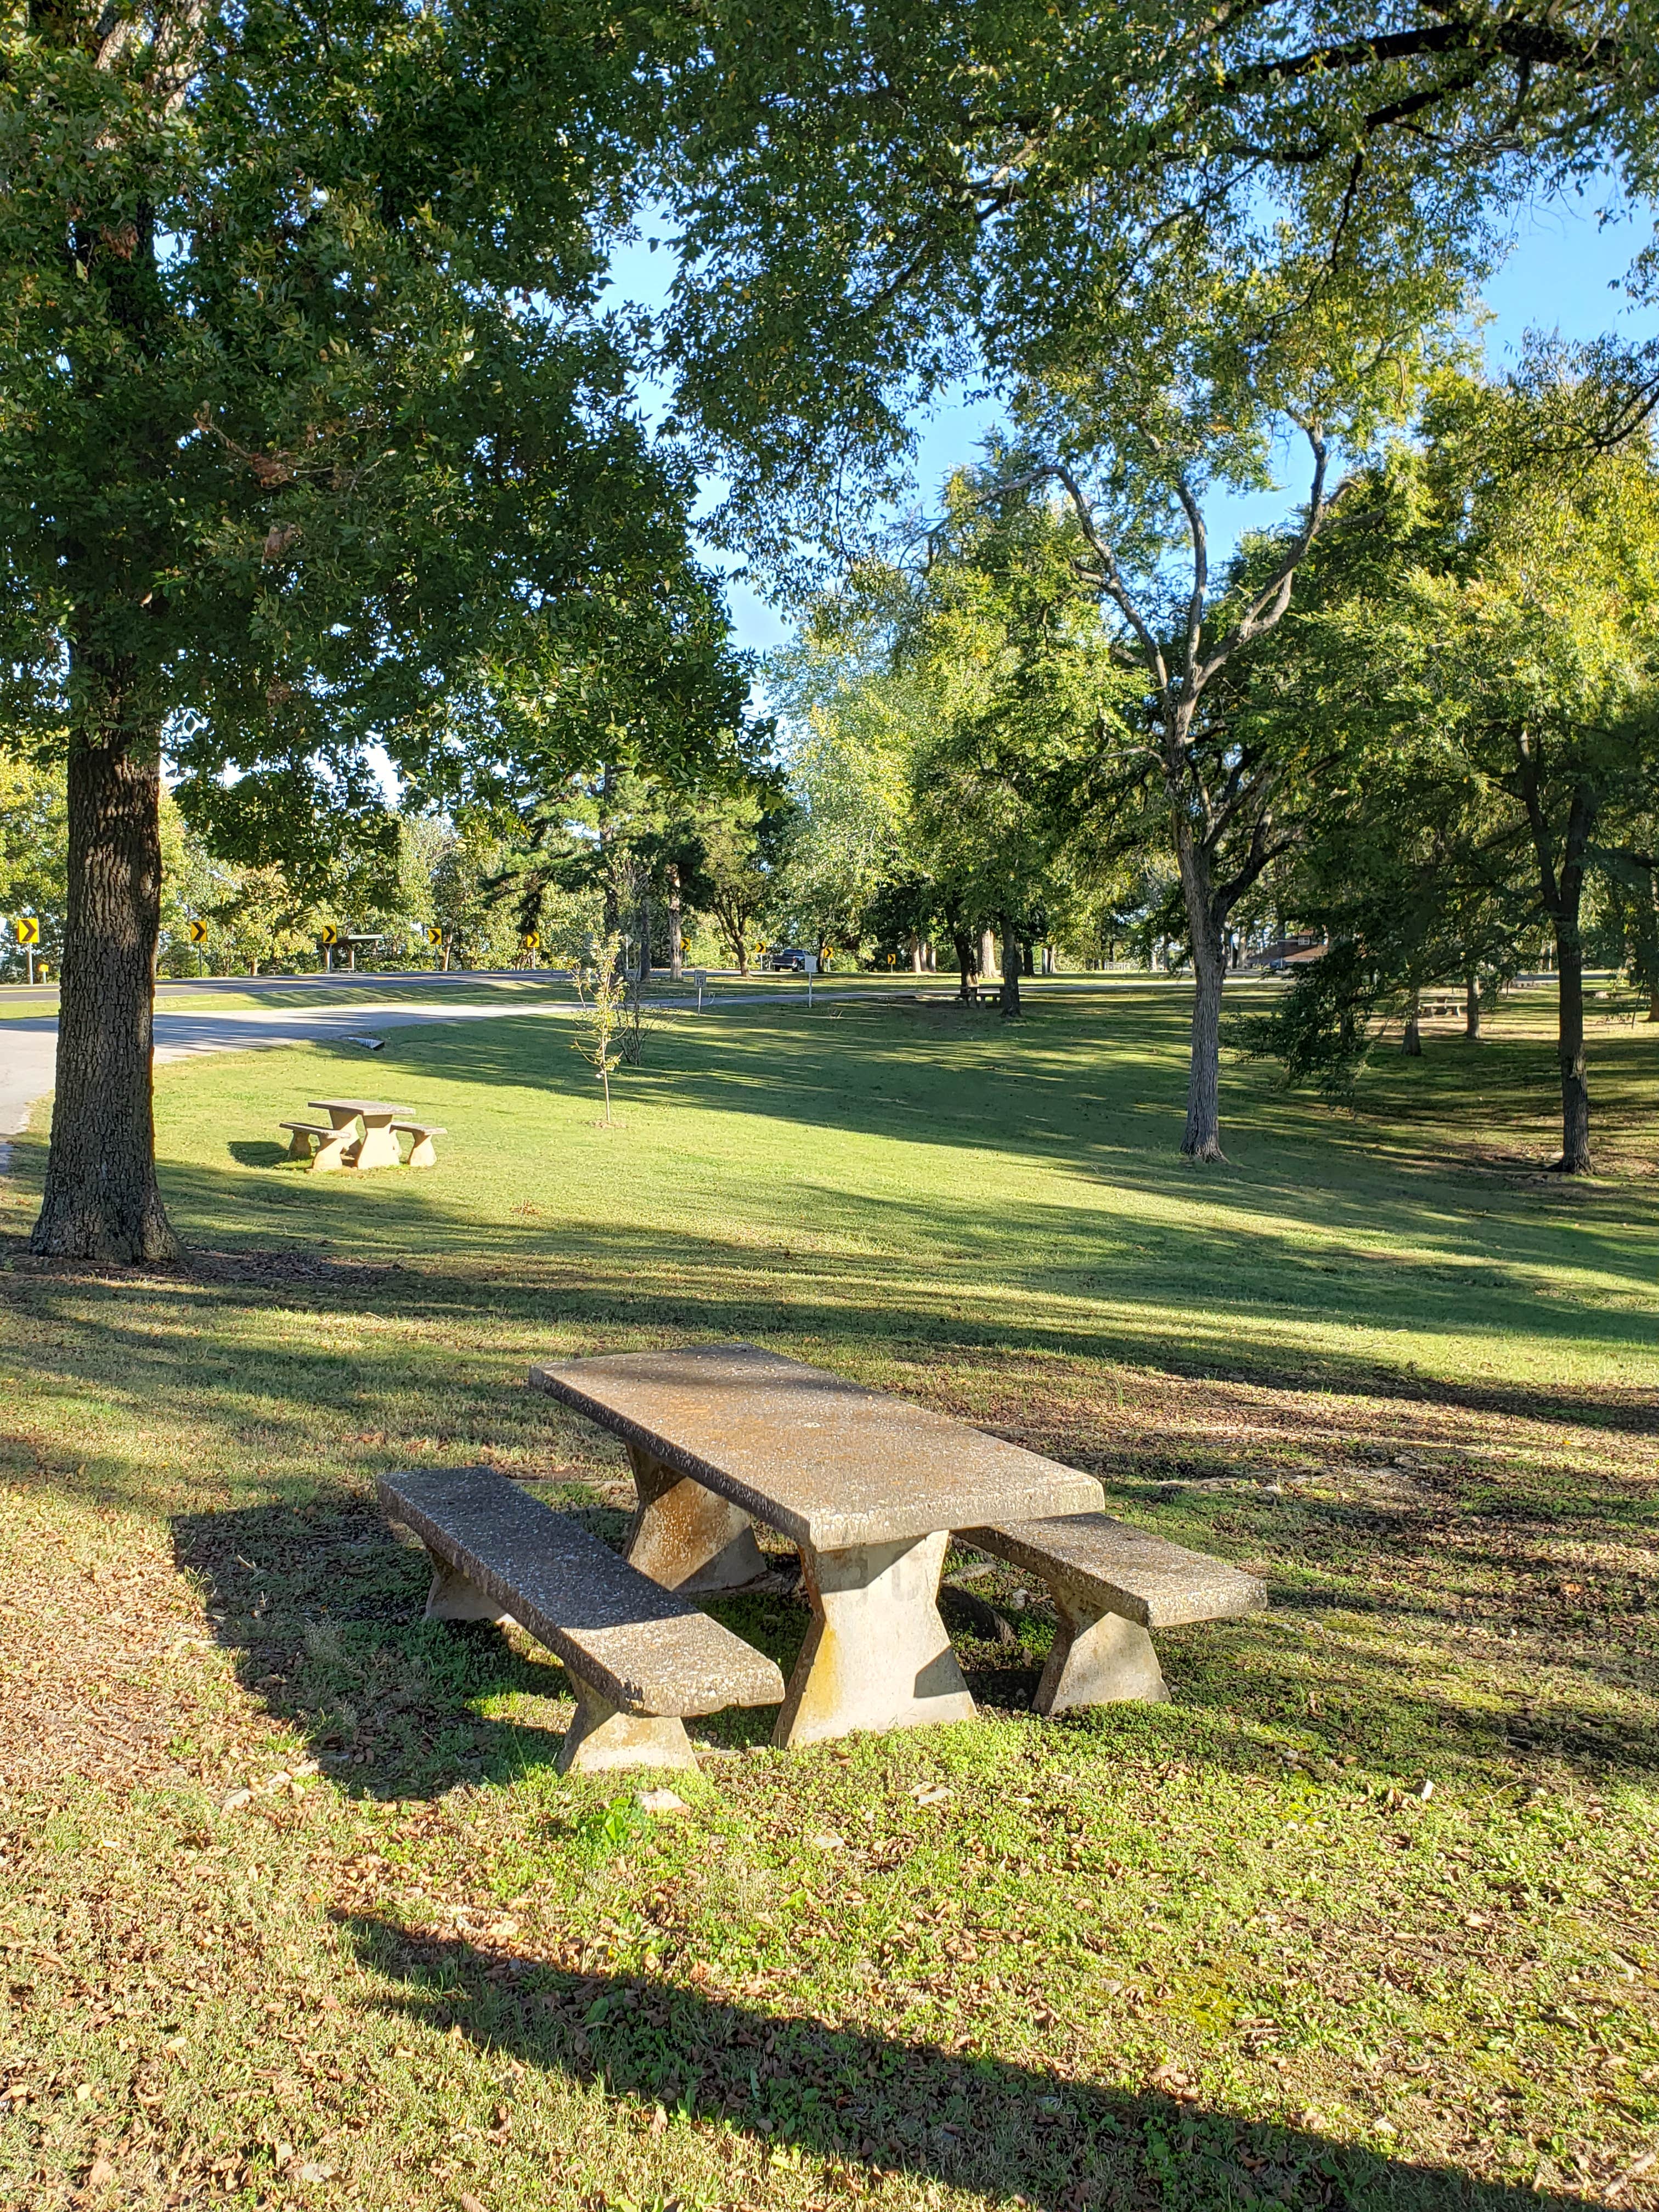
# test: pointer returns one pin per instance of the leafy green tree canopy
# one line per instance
(312, 439)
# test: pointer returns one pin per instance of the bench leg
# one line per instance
(422, 1154)
(452, 1597)
(335, 1152)
(600, 1739)
(686, 1537)
(301, 1145)
(877, 1656)
(1099, 1659)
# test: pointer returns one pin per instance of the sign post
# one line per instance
(533, 939)
(198, 938)
(330, 938)
(435, 938)
(27, 927)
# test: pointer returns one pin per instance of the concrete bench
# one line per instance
(641, 1656)
(421, 1152)
(324, 1145)
(1111, 1585)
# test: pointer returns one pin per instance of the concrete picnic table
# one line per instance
(379, 1147)
(868, 1487)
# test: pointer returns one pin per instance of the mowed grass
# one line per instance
(297, 1911)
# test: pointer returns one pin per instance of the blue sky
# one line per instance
(1563, 273)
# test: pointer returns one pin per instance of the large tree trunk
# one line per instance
(1201, 1138)
(1562, 889)
(1575, 1089)
(1472, 1010)
(1411, 1042)
(961, 941)
(101, 1199)
(676, 932)
(987, 955)
(1010, 967)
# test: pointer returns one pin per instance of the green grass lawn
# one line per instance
(296, 1911)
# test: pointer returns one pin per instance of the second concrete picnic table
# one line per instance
(868, 1487)
(378, 1147)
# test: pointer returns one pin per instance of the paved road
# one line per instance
(28, 1043)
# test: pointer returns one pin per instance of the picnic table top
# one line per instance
(827, 1463)
(356, 1106)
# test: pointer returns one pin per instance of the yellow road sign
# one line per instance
(27, 928)
(198, 932)
(532, 940)
(331, 935)
(433, 935)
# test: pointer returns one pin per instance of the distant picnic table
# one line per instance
(337, 1144)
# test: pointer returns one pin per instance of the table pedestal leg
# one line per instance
(600, 1739)
(1097, 1659)
(877, 1656)
(452, 1597)
(688, 1538)
(379, 1149)
(334, 1151)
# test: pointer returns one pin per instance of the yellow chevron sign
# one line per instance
(27, 928)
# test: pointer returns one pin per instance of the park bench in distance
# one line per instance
(326, 1147)
(421, 1151)
(640, 1657)
(1111, 1585)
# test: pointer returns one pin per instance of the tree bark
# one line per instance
(962, 944)
(1575, 1087)
(101, 1199)
(1411, 1042)
(1562, 891)
(1472, 1010)
(1010, 967)
(915, 956)
(1200, 1140)
(987, 955)
(676, 933)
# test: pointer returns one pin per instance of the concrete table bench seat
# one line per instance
(421, 1153)
(1111, 1586)
(867, 1487)
(321, 1143)
(640, 1657)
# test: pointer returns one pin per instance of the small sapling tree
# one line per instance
(603, 1014)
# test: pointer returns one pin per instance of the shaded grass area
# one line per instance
(298, 1912)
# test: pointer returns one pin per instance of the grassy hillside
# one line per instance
(1365, 1915)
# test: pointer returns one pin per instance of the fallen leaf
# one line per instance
(925, 1793)
(102, 2171)
(661, 1801)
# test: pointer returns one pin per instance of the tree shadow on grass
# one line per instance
(865, 2101)
(322, 1604)
(258, 1152)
